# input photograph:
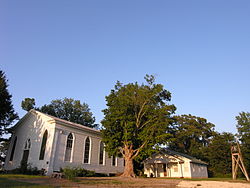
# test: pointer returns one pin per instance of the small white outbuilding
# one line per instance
(168, 163)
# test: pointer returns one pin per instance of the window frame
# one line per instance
(99, 154)
(12, 153)
(112, 160)
(72, 148)
(43, 145)
(90, 148)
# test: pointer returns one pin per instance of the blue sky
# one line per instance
(199, 50)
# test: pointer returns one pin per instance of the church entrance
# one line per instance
(24, 161)
(25, 157)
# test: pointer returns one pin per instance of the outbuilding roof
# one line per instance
(175, 153)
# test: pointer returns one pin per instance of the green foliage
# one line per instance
(71, 110)
(72, 172)
(67, 109)
(137, 116)
(243, 127)
(7, 113)
(27, 169)
(28, 104)
(191, 135)
(218, 155)
(4, 145)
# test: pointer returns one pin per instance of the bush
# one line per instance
(27, 169)
(72, 172)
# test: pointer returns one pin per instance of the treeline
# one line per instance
(139, 119)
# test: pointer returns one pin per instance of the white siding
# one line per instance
(32, 127)
(78, 152)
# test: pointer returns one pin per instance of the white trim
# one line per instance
(73, 143)
(90, 148)
(112, 161)
(104, 161)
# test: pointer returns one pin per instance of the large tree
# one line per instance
(7, 113)
(136, 119)
(67, 109)
(191, 135)
(243, 127)
(218, 154)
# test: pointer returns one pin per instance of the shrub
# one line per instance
(72, 172)
(28, 169)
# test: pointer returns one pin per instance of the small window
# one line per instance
(69, 147)
(114, 161)
(43, 146)
(101, 154)
(13, 149)
(87, 151)
(27, 145)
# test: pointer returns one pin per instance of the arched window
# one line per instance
(43, 146)
(13, 149)
(27, 145)
(114, 161)
(101, 154)
(87, 151)
(69, 147)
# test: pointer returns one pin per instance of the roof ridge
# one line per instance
(65, 121)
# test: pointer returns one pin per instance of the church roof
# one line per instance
(59, 121)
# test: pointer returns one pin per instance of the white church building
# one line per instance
(50, 143)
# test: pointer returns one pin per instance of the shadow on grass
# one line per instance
(7, 183)
(103, 181)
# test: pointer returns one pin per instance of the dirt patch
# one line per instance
(103, 182)
(211, 184)
(107, 182)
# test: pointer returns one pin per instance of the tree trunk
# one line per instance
(129, 166)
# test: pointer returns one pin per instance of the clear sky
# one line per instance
(199, 50)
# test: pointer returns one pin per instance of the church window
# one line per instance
(13, 149)
(43, 146)
(87, 151)
(101, 154)
(114, 161)
(69, 146)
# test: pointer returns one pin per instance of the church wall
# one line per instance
(33, 128)
(78, 151)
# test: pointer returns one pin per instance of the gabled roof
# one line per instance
(59, 121)
(175, 153)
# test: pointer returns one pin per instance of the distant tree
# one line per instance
(218, 154)
(3, 151)
(28, 104)
(70, 110)
(136, 119)
(191, 135)
(243, 127)
(7, 113)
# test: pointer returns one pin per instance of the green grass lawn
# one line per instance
(7, 181)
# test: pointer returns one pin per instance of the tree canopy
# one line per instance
(243, 127)
(137, 118)
(28, 104)
(218, 154)
(67, 109)
(191, 134)
(7, 113)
